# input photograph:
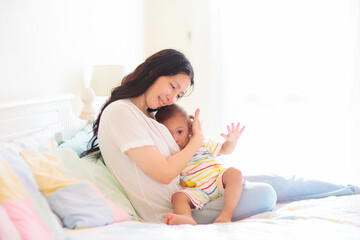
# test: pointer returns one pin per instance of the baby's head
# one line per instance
(175, 118)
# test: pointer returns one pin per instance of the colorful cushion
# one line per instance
(41, 141)
(24, 204)
(78, 203)
(89, 169)
(7, 228)
(79, 143)
(18, 206)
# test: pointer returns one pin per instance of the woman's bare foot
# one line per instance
(176, 219)
(223, 218)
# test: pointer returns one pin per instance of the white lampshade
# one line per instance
(106, 77)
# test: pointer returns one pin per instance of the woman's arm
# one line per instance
(163, 170)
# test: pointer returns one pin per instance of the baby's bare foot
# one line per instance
(176, 219)
(223, 218)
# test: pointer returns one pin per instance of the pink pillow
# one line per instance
(15, 200)
(7, 228)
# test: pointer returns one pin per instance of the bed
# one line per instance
(48, 192)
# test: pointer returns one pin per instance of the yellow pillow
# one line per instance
(48, 172)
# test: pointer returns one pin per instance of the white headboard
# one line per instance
(22, 117)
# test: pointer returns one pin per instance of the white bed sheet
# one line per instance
(328, 218)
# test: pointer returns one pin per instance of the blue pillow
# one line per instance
(80, 141)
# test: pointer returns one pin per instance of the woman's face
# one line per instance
(166, 89)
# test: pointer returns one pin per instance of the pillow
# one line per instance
(15, 200)
(7, 228)
(10, 153)
(95, 171)
(40, 141)
(79, 143)
(78, 203)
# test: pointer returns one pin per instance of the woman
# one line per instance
(145, 159)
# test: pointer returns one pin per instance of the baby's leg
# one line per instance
(233, 181)
(182, 210)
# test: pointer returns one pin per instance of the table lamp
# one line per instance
(103, 79)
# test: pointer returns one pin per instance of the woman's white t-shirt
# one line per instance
(123, 126)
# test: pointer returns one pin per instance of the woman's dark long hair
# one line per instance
(167, 62)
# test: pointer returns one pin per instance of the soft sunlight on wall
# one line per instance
(289, 70)
(117, 35)
(48, 47)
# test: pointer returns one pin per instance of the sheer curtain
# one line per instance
(290, 73)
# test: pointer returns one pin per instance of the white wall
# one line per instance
(46, 46)
(168, 25)
(187, 26)
(207, 65)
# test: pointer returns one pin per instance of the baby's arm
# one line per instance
(232, 137)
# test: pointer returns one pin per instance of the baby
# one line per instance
(204, 178)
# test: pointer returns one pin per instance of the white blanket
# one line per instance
(328, 218)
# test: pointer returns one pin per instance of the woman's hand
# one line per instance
(196, 128)
(234, 133)
(196, 123)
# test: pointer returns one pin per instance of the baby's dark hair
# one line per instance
(166, 112)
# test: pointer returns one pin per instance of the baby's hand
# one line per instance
(234, 133)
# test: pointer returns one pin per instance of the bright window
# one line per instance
(290, 71)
